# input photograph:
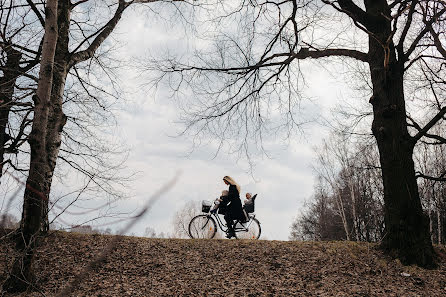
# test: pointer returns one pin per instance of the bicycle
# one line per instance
(205, 226)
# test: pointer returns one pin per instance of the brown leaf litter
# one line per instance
(187, 267)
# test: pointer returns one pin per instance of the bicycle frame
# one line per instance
(238, 226)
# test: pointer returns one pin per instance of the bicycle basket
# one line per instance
(206, 206)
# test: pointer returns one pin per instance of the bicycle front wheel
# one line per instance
(250, 230)
(202, 226)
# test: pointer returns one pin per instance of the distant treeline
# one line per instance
(347, 202)
(10, 222)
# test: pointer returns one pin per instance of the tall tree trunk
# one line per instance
(440, 165)
(407, 230)
(439, 225)
(11, 70)
(341, 210)
(56, 117)
(431, 226)
(354, 214)
(35, 192)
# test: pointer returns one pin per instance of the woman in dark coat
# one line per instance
(234, 210)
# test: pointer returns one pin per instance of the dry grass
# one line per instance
(175, 267)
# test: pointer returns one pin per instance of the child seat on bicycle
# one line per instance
(249, 203)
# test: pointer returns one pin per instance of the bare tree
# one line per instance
(431, 165)
(83, 148)
(328, 168)
(182, 218)
(69, 54)
(49, 120)
(354, 183)
(34, 200)
(319, 220)
(259, 67)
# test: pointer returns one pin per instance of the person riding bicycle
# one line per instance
(234, 210)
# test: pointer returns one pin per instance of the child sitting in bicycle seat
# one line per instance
(248, 199)
(224, 195)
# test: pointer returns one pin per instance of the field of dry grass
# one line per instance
(178, 267)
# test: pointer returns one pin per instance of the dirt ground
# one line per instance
(186, 267)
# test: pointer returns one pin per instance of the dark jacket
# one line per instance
(234, 204)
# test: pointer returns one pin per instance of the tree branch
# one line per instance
(441, 178)
(437, 42)
(429, 125)
(106, 30)
(37, 12)
(356, 13)
(77, 3)
(304, 53)
(399, 47)
(428, 26)
(358, 55)
(441, 140)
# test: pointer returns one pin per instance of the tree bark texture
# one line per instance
(36, 194)
(56, 117)
(407, 228)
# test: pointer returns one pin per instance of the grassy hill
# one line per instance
(177, 267)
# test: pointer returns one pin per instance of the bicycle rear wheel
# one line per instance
(251, 230)
(202, 226)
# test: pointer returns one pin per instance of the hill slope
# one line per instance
(175, 267)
